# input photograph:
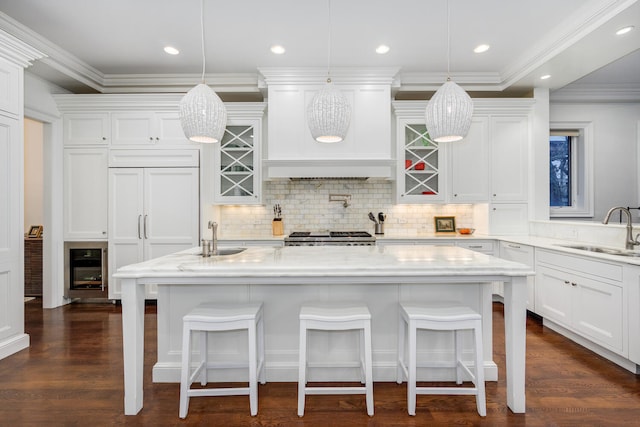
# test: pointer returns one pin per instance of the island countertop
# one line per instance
(284, 277)
(327, 261)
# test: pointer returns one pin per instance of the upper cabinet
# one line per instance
(365, 151)
(86, 129)
(237, 159)
(146, 128)
(489, 165)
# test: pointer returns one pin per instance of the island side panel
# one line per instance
(281, 307)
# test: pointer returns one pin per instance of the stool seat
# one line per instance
(336, 317)
(215, 317)
(440, 317)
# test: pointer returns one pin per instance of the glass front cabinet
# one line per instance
(237, 158)
(421, 161)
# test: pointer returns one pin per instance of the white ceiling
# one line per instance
(117, 45)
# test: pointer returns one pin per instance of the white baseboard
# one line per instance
(13, 345)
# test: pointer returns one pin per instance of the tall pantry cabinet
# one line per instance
(131, 177)
(153, 211)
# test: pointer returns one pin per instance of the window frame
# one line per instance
(582, 205)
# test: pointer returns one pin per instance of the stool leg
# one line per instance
(261, 360)
(368, 360)
(253, 368)
(401, 349)
(457, 338)
(185, 371)
(411, 381)
(204, 357)
(302, 367)
(479, 377)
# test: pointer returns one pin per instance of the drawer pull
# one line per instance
(566, 282)
(574, 284)
(514, 246)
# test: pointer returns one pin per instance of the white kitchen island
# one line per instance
(285, 277)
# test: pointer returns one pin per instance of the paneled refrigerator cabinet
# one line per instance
(153, 211)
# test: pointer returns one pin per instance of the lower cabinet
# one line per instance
(152, 212)
(584, 296)
(525, 255)
(632, 283)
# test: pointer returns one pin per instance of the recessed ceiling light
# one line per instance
(545, 77)
(171, 50)
(624, 30)
(278, 49)
(481, 48)
(382, 49)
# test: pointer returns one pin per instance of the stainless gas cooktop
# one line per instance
(321, 238)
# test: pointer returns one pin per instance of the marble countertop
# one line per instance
(328, 261)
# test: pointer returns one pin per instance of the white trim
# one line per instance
(584, 205)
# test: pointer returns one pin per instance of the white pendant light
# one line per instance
(329, 112)
(202, 113)
(448, 113)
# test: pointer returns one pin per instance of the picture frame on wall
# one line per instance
(35, 232)
(445, 224)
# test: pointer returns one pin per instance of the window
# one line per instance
(570, 170)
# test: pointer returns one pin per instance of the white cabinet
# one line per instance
(421, 164)
(152, 212)
(85, 193)
(584, 296)
(509, 158)
(632, 282)
(147, 128)
(525, 255)
(508, 218)
(86, 129)
(470, 164)
(237, 160)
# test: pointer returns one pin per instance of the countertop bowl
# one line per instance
(463, 230)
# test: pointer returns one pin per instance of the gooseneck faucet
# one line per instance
(630, 242)
(213, 226)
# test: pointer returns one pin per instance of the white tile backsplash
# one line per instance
(305, 206)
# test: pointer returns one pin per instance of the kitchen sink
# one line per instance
(603, 250)
(225, 251)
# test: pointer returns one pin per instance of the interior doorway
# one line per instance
(33, 207)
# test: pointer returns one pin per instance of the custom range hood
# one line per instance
(366, 150)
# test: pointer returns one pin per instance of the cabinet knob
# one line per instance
(150, 138)
(104, 232)
(574, 284)
(455, 195)
(157, 138)
(566, 282)
(494, 195)
(104, 138)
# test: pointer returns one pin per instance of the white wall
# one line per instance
(615, 150)
(33, 178)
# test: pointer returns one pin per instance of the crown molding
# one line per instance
(303, 75)
(586, 20)
(16, 51)
(610, 93)
(481, 106)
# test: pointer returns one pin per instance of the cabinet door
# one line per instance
(598, 312)
(524, 255)
(509, 146)
(133, 128)
(237, 158)
(421, 165)
(86, 129)
(126, 234)
(168, 130)
(508, 218)
(85, 193)
(171, 213)
(554, 295)
(632, 284)
(470, 164)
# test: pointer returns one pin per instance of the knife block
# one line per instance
(277, 227)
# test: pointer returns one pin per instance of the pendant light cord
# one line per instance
(448, 42)
(204, 61)
(329, 46)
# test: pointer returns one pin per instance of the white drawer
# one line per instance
(484, 246)
(599, 268)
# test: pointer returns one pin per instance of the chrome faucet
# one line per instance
(630, 242)
(213, 226)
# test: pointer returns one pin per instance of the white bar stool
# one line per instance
(336, 318)
(211, 317)
(441, 317)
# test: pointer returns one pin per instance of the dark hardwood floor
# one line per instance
(72, 376)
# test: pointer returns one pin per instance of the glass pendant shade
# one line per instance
(448, 113)
(203, 115)
(328, 115)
